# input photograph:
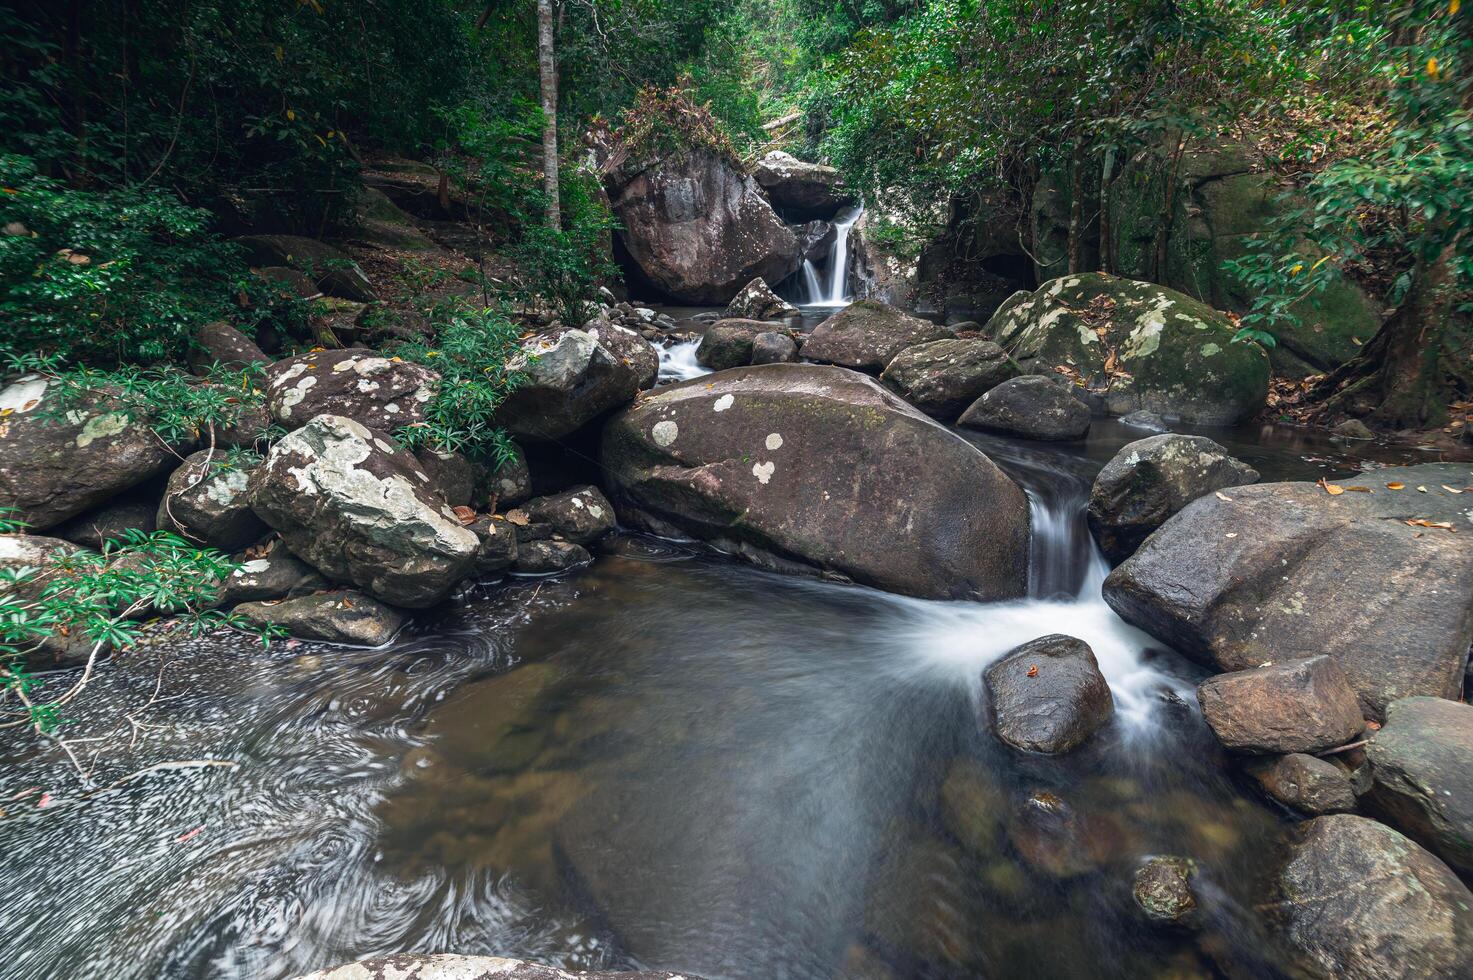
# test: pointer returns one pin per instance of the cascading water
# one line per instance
(812, 290)
(678, 361)
(837, 291)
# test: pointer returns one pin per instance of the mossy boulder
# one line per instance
(1136, 346)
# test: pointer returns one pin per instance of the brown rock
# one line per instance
(1298, 706)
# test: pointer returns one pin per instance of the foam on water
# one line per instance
(678, 362)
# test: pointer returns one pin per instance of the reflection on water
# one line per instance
(667, 760)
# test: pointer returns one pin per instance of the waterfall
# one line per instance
(838, 293)
(812, 291)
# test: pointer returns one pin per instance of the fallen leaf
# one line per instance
(518, 517)
(1395, 486)
(1451, 489)
(188, 835)
(1359, 489)
(1232, 534)
(1422, 522)
(1033, 670)
(44, 801)
(1223, 496)
(464, 514)
(1374, 726)
(1421, 489)
(1331, 488)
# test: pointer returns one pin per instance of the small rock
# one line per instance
(334, 272)
(1163, 890)
(206, 502)
(1031, 407)
(498, 550)
(1308, 784)
(582, 515)
(40, 554)
(1142, 419)
(219, 343)
(945, 376)
(867, 334)
(970, 799)
(1048, 695)
(573, 377)
(1297, 706)
(343, 616)
(757, 301)
(507, 482)
(277, 574)
(1421, 782)
(728, 343)
(1059, 842)
(773, 348)
(451, 475)
(549, 557)
(1353, 429)
(110, 522)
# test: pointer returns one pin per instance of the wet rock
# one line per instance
(943, 377)
(728, 343)
(816, 240)
(573, 377)
(1032, 407)
(276, 574)
(1162, 890)
(111, 522)
(757, 301)
(971, 807)
(343, 616)
(498, 550)
(219, 343)
(1142, 419)
(1138, 346)
(699, 229)
(801, 468)
(1057, 841)
(205, 501)
(451, 475)
(1296, 706)
(508, 482)
(867, 335)
(773, 348)
(548, 557)
(56, 465)
(1360, 901)
(1150, 480)
(1421, 781)
(581, 515)
(453, 966)
(39, 555)
(1353, 429)
(1285, 570)
(330, 269)
(802, 190)
(356, 506)
(1308, 784)
(1048, 695)
(355, 383)
(923, 907)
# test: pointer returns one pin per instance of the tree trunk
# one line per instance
(1076, 209)
(547, 72)
(1161, 256)
(1107, 247)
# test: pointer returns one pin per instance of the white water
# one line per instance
(813, 291)
(678, 362)
(837, 292)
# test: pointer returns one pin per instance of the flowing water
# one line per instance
(669, 759)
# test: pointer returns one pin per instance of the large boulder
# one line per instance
(867, 335)
(218, 343)
(1048, 695)
(206, 502)
(453, 966)
(699, 229)
(1136, 346)
(34, 559)
(805, 468)
(943, 377)
(1420, 777)
(1296, 706)
(1360, 901)
(1030, 407)
(802, 191)
(356, 383)
(343, 616)
(1151, 479)
(331, 269)
(574, 376)
(757, 301)
(55, 465)
(1279, 571)
(353, 503)
(727, 343)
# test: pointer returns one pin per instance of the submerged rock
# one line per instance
(573, 377)
(1280, 571)
(582, 515)
(727, 343)
(1048, 695)
(1308, 784)
(943, 377)
(1162, 890)
(356, 383)
(344, 616)
(453, 966)
(1296, 706)
(1360, 901)
(1032, 407)
(1421, 782)
(1150, 480)
(355, 505)
(867, 335)
(803, 468)
(548, 557)
(773, 348)
(757, 301)
(206, 502)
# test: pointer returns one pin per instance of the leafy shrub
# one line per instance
(563, 267)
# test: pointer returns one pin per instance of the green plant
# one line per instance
(562, 267)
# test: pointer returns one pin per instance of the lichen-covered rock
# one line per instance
(1279, 571)
(548, 557)
(498, 550)
(343, 616)
(356, 383)
(773, 348)
(1421, 783)
(1030, 407)
(582, 515)
(218, 343)
(1048, 695)
(356, 506)
(802, 468)
(39, 555)
(1296, 706)
(330, 268)
(1361, 902)
(943, 377)
(452, 966)
(801, 190)
(56, 465)
(1162, 890)
(757, 301)
(1150, 480)
(867, 335)
(1138, 346)
(573, 377)
(698, 229)
(727, 343)
(206, 502)
(1307, 783)
(276, 574)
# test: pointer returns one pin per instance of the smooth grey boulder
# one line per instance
(1304, 782)
(218, 343)
(1280, 571)
(943, 377)
(1360, 901)
(34, 558)
(773, 348)
(453, 966)
(866, 335)
(1048, 695)
(1162, 889)
(1295, 706)
(757, 301)
(498, 549)
(355, 505)
(548, 557)
(582, 515)
(356, 383)
(343, 616)
(1151, 479)
(803, 190)
(1421, 780)
(274, 574)
(55, 465)
(727, 343)
(205, 501)
(574, 376)
(806, 469)
(1030, 407)
(331, 269)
